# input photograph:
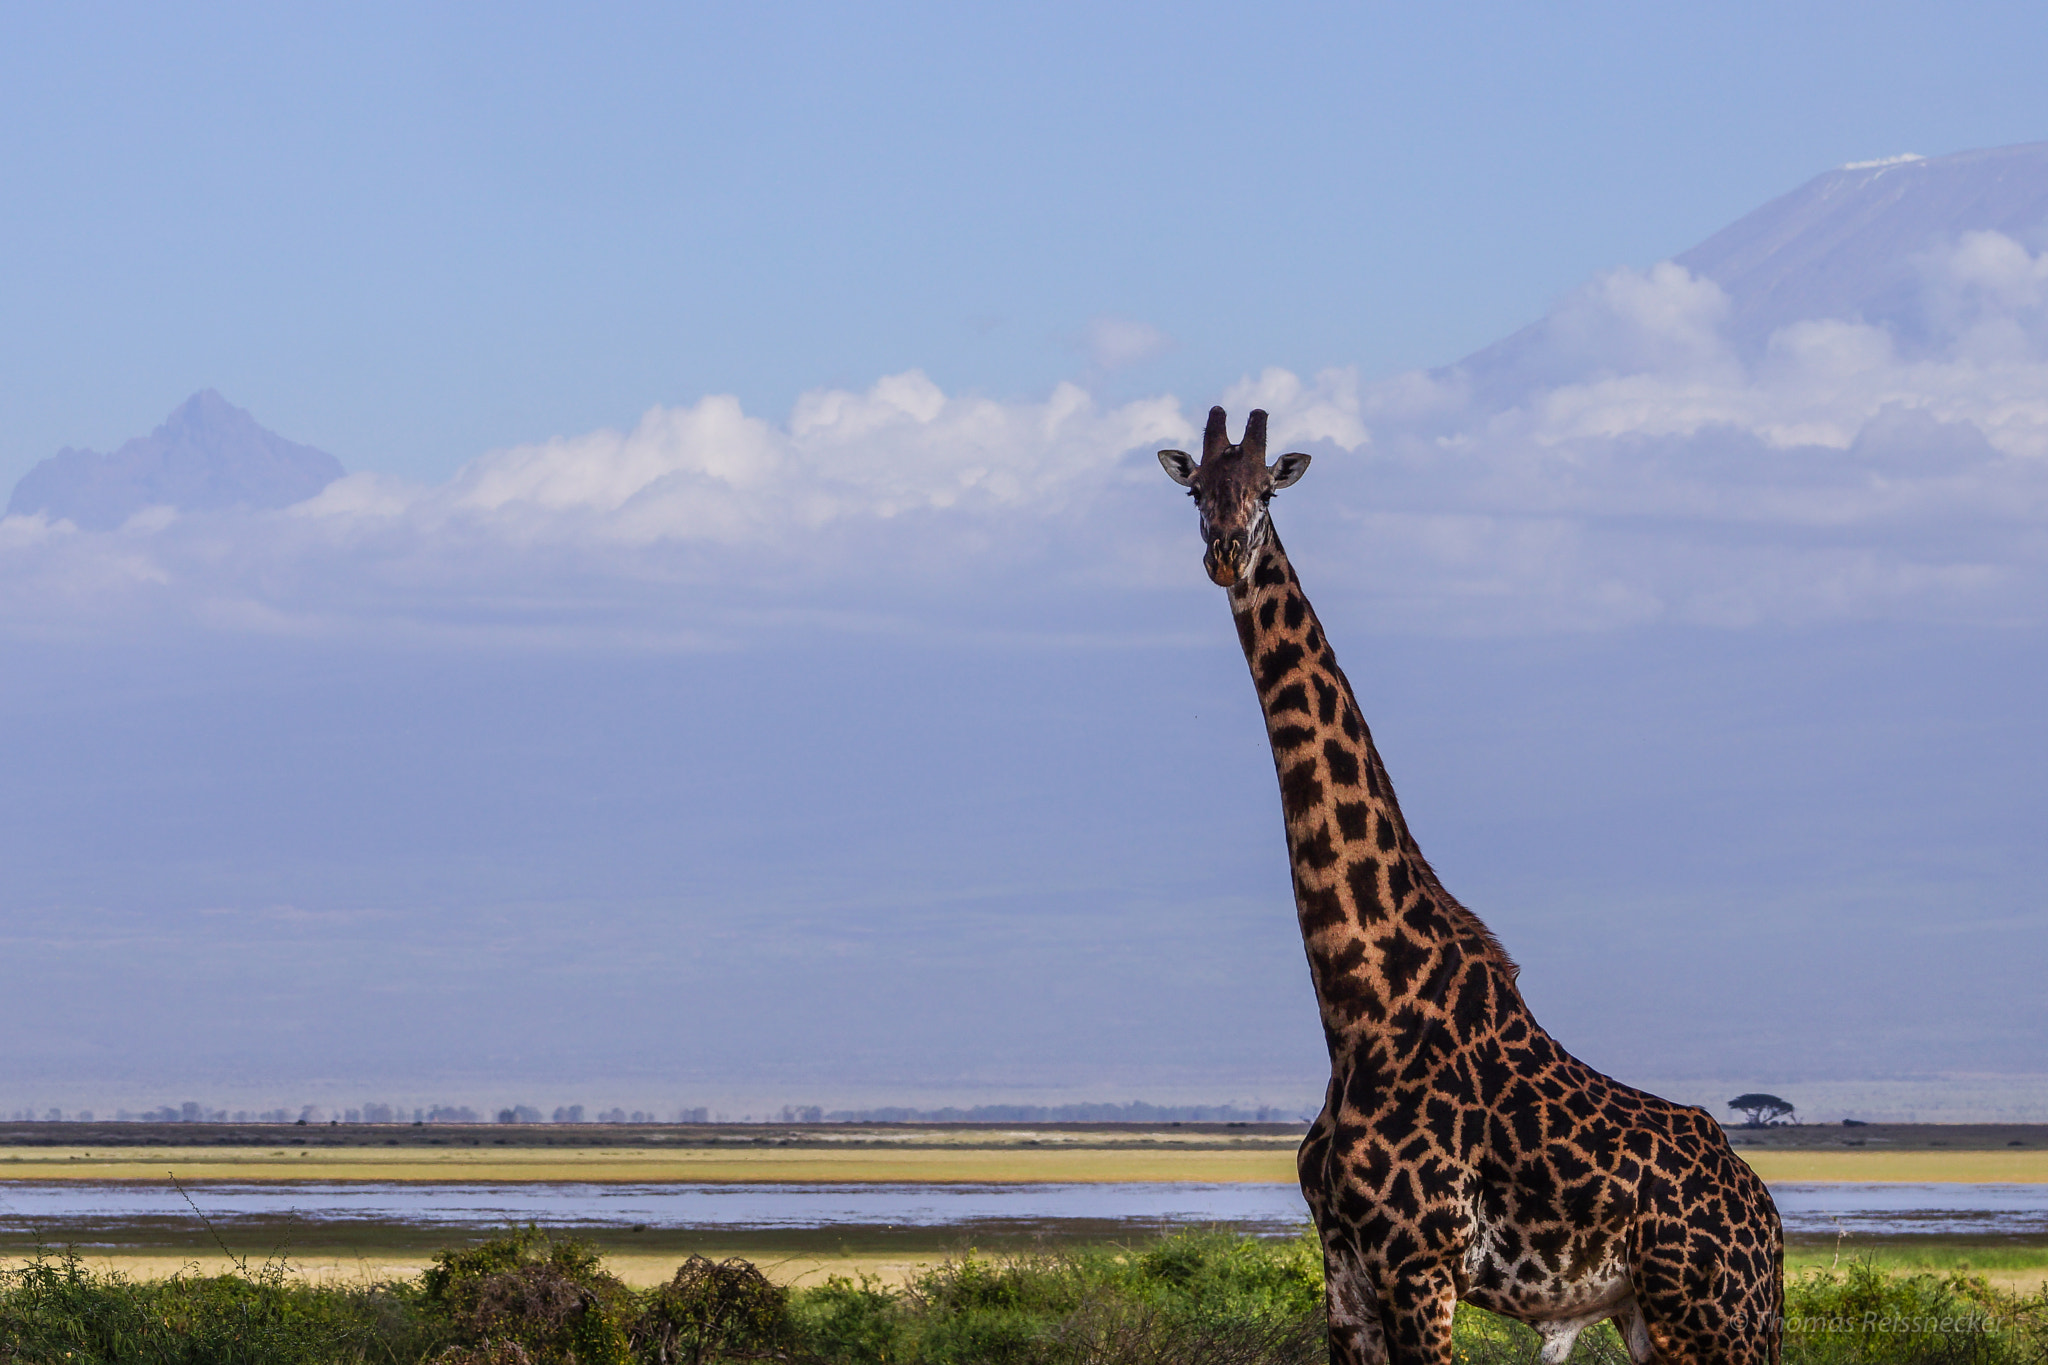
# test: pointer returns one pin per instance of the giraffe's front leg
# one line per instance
(1357, 1336)
(1419, 1308)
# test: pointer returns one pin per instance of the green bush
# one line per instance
(1219, 1275)
(1860, 1315)
(1210, 1297)
(54, 1309)
(526, 1296)
(708, 1311)
(858, 1323)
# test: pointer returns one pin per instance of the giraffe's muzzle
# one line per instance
(1225, 559)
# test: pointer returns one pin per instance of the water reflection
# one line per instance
(59, 1208)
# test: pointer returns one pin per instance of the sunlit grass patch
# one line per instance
(793, 1165)
(2013, 1166)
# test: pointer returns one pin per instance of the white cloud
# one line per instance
(1663, 319)
(1620, 462)
(710, 472)
(1325, 410)
(862, 506)
(1114, 342)
(1653, 363)
(20, 532)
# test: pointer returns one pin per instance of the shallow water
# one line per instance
(69, 1208)
(61, 1210)
(1891, 1210)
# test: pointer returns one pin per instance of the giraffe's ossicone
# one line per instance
(1461, 1152)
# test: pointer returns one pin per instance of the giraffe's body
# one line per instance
(1461, 1152)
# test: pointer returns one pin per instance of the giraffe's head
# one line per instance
(1231, 487)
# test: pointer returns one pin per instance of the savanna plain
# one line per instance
(186, 1287)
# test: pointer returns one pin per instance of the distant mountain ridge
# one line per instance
(1845, 244)
(207, 455)
(1851, 244)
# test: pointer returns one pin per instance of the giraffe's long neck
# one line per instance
(1385, 941)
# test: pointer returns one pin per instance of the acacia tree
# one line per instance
(1763, 1110)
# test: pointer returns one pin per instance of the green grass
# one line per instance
(53, 1310)
(2001, 1258)
(1213, 1298)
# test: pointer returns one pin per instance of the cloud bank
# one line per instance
(1622, 461)
(1625, 460)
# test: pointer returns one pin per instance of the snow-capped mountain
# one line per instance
(1918, 248)
(1852, 243)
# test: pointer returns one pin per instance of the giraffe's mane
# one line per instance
(1471, 929)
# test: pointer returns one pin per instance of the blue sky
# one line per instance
(409, 234)
(755, 658)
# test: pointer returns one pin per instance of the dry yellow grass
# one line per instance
(640, 1270)
(795, 1165)
(2019, 1166)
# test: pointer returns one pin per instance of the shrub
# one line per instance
(709, 1311)
(1207, 1297)
(858, 1323)
(525, 1297)
(1032, 1282)
(1217, 1275)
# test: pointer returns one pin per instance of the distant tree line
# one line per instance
(1134, 1112)
(192, 1112)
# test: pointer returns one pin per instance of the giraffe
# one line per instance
(1461, 1153)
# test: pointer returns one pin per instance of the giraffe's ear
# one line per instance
(1178, 466)
(1289, 468)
